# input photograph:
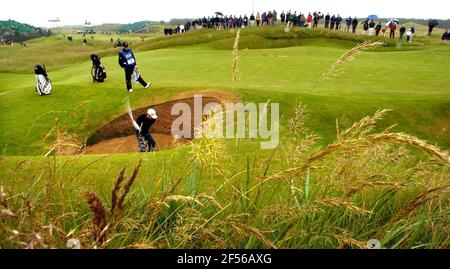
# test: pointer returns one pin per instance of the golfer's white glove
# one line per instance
(136, 126)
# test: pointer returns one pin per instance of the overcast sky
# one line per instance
(126, 11)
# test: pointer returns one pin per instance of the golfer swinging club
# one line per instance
(128, 62)
(142, 125)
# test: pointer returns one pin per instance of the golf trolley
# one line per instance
(98, 71)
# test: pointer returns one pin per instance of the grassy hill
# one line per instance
(251, 39)
(330, 184)
(18, 32)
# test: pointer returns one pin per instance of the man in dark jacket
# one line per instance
(264, 19)
(316, 19)
(371, 27)
(252, 20)
(366, 27)
(327, 21)
(348, 24)
(338, 22)
(128, 62)
(354, 24)
(143, 124)
(402, 33)
(333, 21)
(446, 36)
(378, 29)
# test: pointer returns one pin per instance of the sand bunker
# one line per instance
(118, 136)
(129, 144)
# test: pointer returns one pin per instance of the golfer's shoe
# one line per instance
(130, 90)
(148, 85)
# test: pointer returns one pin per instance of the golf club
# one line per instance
(130, 113)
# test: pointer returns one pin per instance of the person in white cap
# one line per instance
(146, 142)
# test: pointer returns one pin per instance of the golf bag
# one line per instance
(98, 71)
(146, 143)
(136, 74)
(43, 83)
(142, 144)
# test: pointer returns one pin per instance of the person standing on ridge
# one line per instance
(409, 35)
(310, 19)
(264, 19)
(245, 20)
(354, 25)
(378, 29)
(371, 27)
(302, 20)
(252, 20)
(283, 18)
(366, 27)
(392, 27)
(269, 18)
(413, 31)
(274, 18)
(327, 21)
(333, 21)
(348, 24)
(316, 20)
(402, 33)
(338, 21)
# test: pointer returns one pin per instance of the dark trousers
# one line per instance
(327, 24)
(392, 34)
(146, 143)
(128, 73)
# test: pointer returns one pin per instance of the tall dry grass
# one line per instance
(366, 185)
(234, 67)
(337, 68)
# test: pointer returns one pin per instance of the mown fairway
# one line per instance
(274, 65)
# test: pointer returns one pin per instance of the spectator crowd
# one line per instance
(368, 26)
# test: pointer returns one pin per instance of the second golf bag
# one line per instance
(43, 83)
(98, 70)
(136, 74)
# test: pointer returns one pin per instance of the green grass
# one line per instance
(413, 83)
(318, 217)
(273, 65)
(57, 52)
